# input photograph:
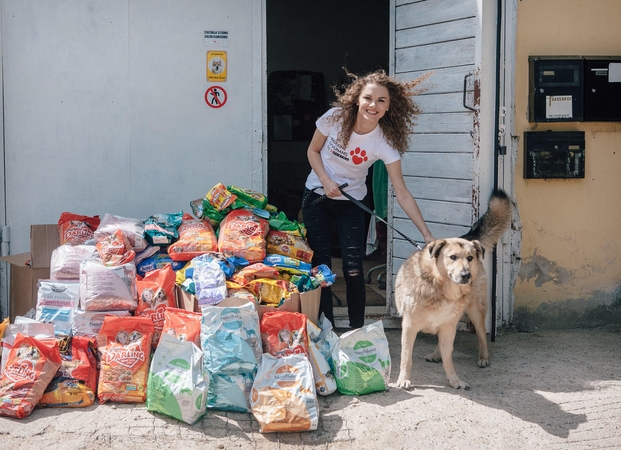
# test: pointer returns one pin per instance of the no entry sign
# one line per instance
(215, 97)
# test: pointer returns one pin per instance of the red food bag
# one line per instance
(182, 324)
(115, 249)
(156, 293)
(254, 271)
(75, 382)
(75, 229)
(284, 333)
(30, 367)
(196, 237)
(243, 234)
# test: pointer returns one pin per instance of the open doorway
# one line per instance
(308, 44)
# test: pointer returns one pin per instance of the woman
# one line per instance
(370, 120)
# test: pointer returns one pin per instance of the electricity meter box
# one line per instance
(556, 91)
(602, 90)
(554, 154)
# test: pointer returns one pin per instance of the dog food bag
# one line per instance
(209, 281)
(254, 271)
(115, 249)
(161, 229)
(56, 302)
(177, 385)
(242, 233)
(105, 288)
(75, 382)
(75, 229)
(249, 197)
(239, 291)
(271, 292)
(156, 292)
(288, 264)
(196, 237)
(66, 259)
(362, 360)
(230, 392)
(125, 346)
(88, 323)
(281, 243)
(27, 327)
(157, 261)
(30, 366)
(325, 383)
(183, 325)
(284, 333)
(280, 222)
(283, 395)
(230, 339)
(133, 230)
(220, 197)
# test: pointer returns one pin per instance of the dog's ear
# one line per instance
(435, 247)
(479, 249)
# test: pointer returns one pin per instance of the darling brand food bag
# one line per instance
(177, 383)
(125, 345)
(362, 360)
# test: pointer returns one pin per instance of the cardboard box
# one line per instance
(186, 300)
(26, 269)
(309, 304)
(189, 302)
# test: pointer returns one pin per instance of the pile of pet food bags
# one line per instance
(108, 325)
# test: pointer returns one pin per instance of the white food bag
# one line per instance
(177, 383)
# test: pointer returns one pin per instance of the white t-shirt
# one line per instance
(350, 165)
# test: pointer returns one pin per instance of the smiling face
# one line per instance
(373, 103)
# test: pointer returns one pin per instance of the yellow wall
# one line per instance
(571, 229)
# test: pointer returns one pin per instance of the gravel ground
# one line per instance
(550, 390)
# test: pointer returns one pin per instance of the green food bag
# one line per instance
(177, 386)
(362, 361)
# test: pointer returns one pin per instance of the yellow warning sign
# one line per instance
(216, 66)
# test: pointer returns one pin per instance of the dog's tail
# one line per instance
(488, 229)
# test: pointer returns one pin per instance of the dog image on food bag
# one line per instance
(436, 286)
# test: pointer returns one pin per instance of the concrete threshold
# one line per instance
(372, 314)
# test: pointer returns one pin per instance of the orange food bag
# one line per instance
(254, 271)
(156, 293)
(75, 229)
(182, 324)
(242, 233)
(115, 249)
(75, 382)
(284, 333)
(196, 237)
(30, 367)
(125, 345)
(220, 197)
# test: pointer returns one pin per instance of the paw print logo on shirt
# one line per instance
(358, 156)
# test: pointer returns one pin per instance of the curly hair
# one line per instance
(398, 122)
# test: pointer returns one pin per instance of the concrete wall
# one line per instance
(571, 245)
(105, 110)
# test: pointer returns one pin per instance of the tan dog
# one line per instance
(434, 287)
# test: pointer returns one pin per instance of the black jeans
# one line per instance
(349, 221)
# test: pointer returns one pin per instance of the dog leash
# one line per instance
(365, 208)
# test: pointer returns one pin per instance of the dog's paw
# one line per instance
(483, 362)
(433, 357)
(404, 384)
(458, 384)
